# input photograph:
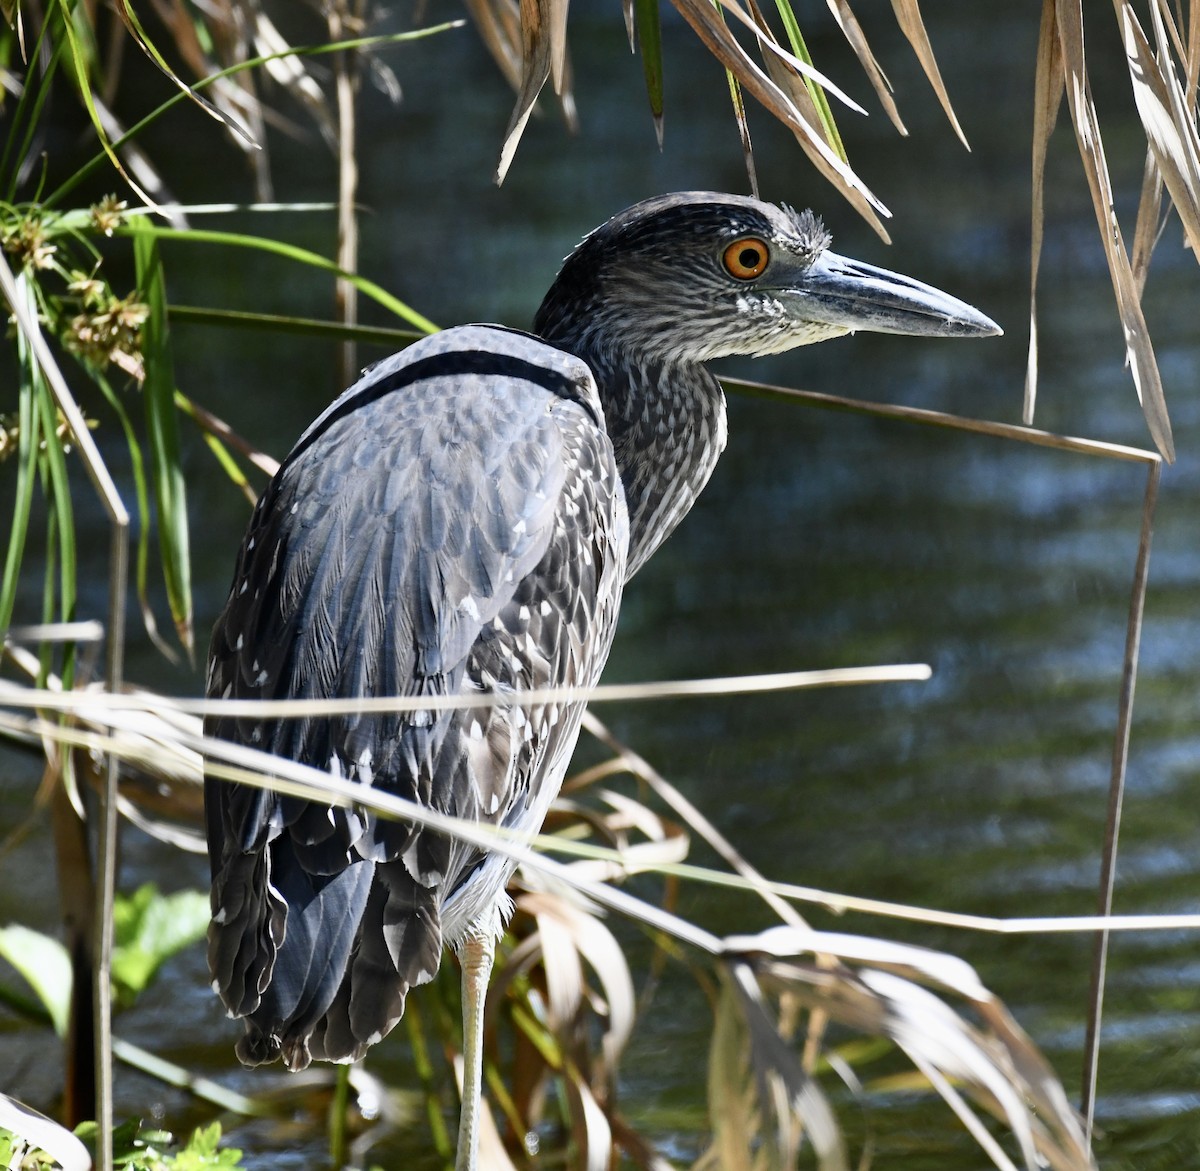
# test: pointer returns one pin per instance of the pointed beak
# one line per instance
(851, 295)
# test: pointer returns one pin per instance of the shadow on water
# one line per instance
(823, 540)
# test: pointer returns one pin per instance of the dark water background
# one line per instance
(823, 540)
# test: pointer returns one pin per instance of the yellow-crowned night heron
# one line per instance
(461, 522)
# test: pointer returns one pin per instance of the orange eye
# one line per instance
(746, 258)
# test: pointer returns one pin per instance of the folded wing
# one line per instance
(452, 525)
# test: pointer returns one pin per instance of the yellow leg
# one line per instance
(476, 956)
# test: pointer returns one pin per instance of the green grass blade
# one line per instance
(649, 35)
(284, 323)
(129, 18)
(224, 456)
(292, 252)
(137, 466)
(45, 661)
(28, 441)
(46, 967)
(158, 395)
(216, 445)
(796, 39)
(27, 113)
(79, 65)
(62, 520)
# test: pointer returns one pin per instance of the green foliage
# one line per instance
(16, 1153)
(151, 1150)
(158, 391)
(46, 967)
(149, 928)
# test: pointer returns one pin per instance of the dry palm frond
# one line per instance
(1167, 109)
(1166, 106)
(874, 986)
(908, 15)
(884, 989)
(1138, 350)
(706, 22)
(529, 40)
(529, 43)
(542, 987)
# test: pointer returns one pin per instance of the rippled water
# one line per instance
(823, 540)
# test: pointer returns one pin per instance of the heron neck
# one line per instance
(666, 421)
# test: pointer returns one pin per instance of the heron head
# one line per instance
(698, 275)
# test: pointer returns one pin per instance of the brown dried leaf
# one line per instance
(1047, 98)
(1149, 221)
(1138, 348)
(734, 1121)
(589, 1125)
(536, 53)
(1170, 129)
(560, 959)
(630, 814)
(499, 26)
(291, 73)
(788, 1096)
(773, 50)
(556, 24)
(569, 935)
(543, 42)
(877, 989)
(857, 40)
(908, 15)
(949, 972)
(783, 73)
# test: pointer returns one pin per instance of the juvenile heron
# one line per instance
(461, 522)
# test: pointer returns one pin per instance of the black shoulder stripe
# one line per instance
(448, 364)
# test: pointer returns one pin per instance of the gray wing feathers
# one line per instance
(401, 550)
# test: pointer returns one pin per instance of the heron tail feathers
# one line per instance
(319, 965)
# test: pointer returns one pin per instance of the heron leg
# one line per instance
(476, 955)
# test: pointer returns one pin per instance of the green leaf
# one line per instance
(26, 115)
(137, 467)
(158, 394)
(312, 327)
(45, 965)
(149, 928)
(203, 1150)
(28, 440)
(57, 486)
(649, 35)
(820, 101)
(292, 252)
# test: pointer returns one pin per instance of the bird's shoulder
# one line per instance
(406, 517)
(472, 357)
